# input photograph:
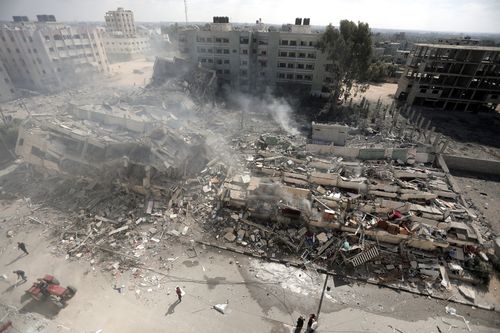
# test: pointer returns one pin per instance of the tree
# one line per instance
(348, 48)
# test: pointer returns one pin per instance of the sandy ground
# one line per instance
(261, 296)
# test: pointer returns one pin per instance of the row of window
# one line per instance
(12, 39)
(211, 50)
(295, 43)
(298, 66)
(18, 51)
(309, 55)
(291, 76)
(214, 61)
(211, 40)
(127, 43)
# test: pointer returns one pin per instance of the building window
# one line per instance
(244, 62)
(293, 43)
(244, 72)
(244, 40)
(282, 65)
(300, 66)
(218, 40)
(311, 55)
(302, 55)
(310, 66)
(284, 42)
(290, 65)
(210, 61)
(226, 61)
(225, 40)
(291, 54)
(209, 40)
(283, 54)
(244, 51)
(210, 50)
(299, 76)
(289, 76)
(281, 75)
(226, 51)
(227, 71)
(263, 52)
(308, 77)
(219, 61)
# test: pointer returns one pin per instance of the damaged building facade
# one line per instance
(47, 56)
(122, 40)
(254, 58)
(109, 143)
(198, 82)
(452, 77)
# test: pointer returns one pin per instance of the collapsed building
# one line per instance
(200, 83)
(101, 141)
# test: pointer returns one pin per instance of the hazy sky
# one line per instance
(441, 15)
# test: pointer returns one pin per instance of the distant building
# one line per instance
(48, 56)
(255, 58)
(452, 77)
(120, 23)
(122, 42)
(7, 90)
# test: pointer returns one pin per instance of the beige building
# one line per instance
(7, 90)
(48, 56)
(452, 77)
(254, 58)
(126, 48)
(122, 42)
(120, 23)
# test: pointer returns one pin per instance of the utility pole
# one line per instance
(186, 11)
(322, 295)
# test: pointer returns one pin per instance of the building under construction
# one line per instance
(452, 77)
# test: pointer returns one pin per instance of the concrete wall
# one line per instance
(475, 165)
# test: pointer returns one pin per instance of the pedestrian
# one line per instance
(314, 326)
(300, 324)
(179, 293)
(21, 246)
(21, 275)
(312, 319)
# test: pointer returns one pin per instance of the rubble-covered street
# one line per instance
(126, 196)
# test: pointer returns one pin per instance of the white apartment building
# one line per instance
(255, 58)
(48, 56)
(7, 90)
(122, 42)
(120, 23)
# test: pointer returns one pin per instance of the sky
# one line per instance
(431, 15)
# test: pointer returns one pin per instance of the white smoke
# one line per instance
(278, 108)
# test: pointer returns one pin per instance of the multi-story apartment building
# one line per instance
(252, 59)
(120, 23)
(122, 41)
(7, 90)
(47, 56)
(452, 77)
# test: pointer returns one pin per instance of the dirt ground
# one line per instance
(261, 297)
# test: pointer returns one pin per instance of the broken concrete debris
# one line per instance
(141, 179)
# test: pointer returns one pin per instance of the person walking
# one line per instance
(314, 326)
(21, 246)
(21, 275)
(312, 319)
(300, 324)
(179, 293)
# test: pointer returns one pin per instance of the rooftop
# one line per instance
(461, 47)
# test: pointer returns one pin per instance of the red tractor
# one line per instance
(48, 288)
